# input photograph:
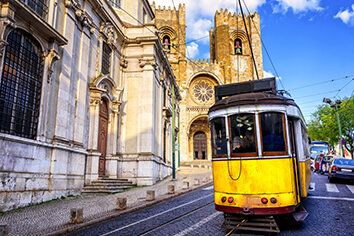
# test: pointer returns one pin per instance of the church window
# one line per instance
(106, 58)
(238, 46)
(20, 85)
(115, 3)
(203, 91)
(38, 6)
(166, 42)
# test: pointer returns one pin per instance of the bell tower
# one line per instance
(172, 26)
(230, 46)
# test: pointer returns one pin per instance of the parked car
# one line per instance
(325, 164)
(317, 161)
(341, 169)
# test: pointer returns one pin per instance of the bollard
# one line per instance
(5, 230)
(196, 181)
(76, 215)
(171, 189)
(185, 185)
(150, 195)
(211, 177)
(205, 179)
(121, 203)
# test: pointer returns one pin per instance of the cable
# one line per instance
(344, 87)
(265, 48)
(328, 81)
(194, 40)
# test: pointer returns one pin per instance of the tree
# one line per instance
(324, 126)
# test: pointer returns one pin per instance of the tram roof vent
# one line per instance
(263, 85)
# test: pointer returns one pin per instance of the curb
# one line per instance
(116, 213)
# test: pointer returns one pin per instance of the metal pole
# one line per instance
(340, 130)
(179, 152)
(173, 134)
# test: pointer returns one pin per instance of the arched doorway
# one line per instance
(200, 146)
(102, 137)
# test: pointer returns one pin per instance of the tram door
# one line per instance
(102, 137)
(200, 145)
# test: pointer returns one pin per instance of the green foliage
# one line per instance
(324, 124)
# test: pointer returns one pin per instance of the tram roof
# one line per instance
(266, 98)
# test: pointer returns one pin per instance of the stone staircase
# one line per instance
(197, 164)
(106, 185)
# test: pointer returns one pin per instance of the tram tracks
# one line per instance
(134, 224)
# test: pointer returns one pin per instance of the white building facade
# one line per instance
(86, 91)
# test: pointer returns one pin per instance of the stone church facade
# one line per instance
(86, 91)
(230, 62)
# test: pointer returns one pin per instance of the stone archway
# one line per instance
(199, 139)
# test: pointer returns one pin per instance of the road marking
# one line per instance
(312, 187)
(161, 213)
(332, 188)
(332, 198)
(208, 188)
(197, 225)
(351, 188)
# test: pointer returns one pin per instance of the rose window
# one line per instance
(203, 91)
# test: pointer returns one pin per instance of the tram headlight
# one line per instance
(230, 199)
(223, 199)
(273, 200)
(264, 200)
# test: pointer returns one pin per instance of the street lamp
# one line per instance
(336, 104)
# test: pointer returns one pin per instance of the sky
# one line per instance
(309, 42)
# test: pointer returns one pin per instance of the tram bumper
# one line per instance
(255, 211)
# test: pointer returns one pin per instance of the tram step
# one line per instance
(300, 214)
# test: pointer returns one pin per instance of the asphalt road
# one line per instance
(330, 206)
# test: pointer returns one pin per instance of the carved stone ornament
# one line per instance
(53, 57)
(150, 61)
(123, 63)
(3, 44)
(81, 15)
(108, 30)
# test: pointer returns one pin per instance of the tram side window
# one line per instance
(272, 128)
(242, 134)
(219, 136)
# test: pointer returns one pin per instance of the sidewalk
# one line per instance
(52, 218)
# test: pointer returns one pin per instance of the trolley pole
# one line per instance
(173, 134)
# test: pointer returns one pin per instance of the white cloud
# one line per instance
(192, 50)
(200, 29)
(346, 16)
(267, 74)
(297, 6)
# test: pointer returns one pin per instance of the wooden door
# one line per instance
(200, 145)
(102, 137)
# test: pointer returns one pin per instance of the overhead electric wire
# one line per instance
(194, 40)
(344, 86)
(327, 81)
(265, 48)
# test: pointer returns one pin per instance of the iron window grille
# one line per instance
(106, 59)
(20, 85)
(38, 6)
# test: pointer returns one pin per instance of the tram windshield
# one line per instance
(242, 134)
(219, 136)
(272, 132)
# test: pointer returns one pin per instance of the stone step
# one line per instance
(106, 185)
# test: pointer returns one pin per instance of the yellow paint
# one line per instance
(305, 172)
(247, 181)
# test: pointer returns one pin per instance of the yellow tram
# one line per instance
(260, 155)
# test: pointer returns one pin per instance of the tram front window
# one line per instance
(242, 134)
(219, 136)
(272, 127)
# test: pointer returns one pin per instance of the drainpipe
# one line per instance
(173, 134)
